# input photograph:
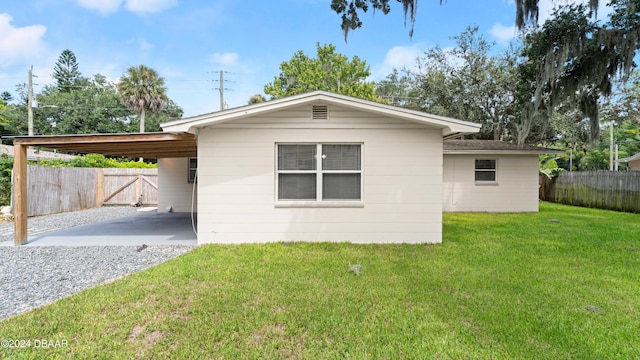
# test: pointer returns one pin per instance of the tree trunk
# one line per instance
(142, 114)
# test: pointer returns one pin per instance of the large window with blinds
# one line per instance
(319, 172)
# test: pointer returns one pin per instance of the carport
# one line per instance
(144, 145)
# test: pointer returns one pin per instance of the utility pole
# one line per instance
(30, 102)
(221, 91)
(221, 88)
(616, 167)
(611, 146)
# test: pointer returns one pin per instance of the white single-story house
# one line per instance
(316, 167)
(327, 167)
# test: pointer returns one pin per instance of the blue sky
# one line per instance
(189, 41)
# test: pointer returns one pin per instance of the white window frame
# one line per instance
(494, 170)
(319, 171)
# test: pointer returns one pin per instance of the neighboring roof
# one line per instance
(492, 147)
(36, 154)
(450, 127)
(632, 158)
(146, 145)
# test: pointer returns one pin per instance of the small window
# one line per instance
(335, 175)
(193, 168)
(486, 170)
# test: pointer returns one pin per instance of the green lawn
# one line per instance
(499, 286)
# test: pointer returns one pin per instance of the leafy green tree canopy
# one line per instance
(255, 99)
(92, 106)
(329, 71)
(350, 11)
(574, 58)
(4, 122)
(466, 82)
(169, 112)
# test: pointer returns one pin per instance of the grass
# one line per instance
(499, 286)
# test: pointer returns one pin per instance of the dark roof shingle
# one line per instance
(492, 145)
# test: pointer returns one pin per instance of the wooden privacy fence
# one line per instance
(54, 190)
(611, 190)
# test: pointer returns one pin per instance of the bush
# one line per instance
(97, 161)
(6, 165)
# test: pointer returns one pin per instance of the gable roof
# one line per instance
(450, 127)
(492, 147)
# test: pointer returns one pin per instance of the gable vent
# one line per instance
(320, 112)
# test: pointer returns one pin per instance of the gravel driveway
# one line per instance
(34, 276)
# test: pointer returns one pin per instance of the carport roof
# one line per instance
(145, 145)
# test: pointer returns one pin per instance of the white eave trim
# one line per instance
(449, 126)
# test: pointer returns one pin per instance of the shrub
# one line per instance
(6, 165)
(98, 161)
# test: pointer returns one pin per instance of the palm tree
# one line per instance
(142, 90)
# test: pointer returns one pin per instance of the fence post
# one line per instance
(99, 187)
(20, 210)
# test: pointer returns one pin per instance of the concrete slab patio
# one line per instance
(142, 228)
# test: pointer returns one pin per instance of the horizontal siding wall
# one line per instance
(175, 191)
(402, 175)
(515, 191)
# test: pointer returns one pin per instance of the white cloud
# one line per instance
(503, 33)
(103, 6)
(19, 44)
(149, 6)
(398, 57)
(106, 7)
(141, 43)
(227, 59)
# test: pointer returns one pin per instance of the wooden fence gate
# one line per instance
(53, 190)
(127, 186)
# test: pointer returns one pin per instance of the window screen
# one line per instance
(296, 157)
(297, 186)
(341, 187)
(340, 157)
(485, 170)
